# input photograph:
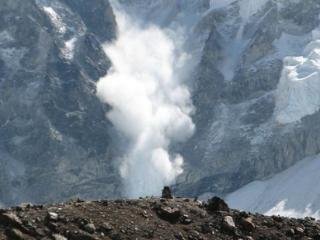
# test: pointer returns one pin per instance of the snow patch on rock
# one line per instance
(68, 50)
(65, 24)
(235, 46)
(55, 19)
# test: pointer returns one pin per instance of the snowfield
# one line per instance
(292, 193)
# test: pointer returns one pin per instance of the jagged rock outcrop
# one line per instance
(54, 137)
(238, 137)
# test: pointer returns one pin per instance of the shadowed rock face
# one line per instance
(238, 139)
(97, 16)
(54, 137)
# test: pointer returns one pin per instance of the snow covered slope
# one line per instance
(293, 193)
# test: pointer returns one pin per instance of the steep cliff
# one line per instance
(54, 137)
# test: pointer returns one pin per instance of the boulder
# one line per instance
(169, 214)
(217, 204)
(247, 224)
(228, 224)
(10, 219)
(52, 216)
(90, 228)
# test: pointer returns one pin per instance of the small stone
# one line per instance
(144, 214)
(184, 219)
(52, 216)
(107, 227)
(299, 230)
(169, 214)
(194, 235)
(247, 224)
(248, 238)
(58, 237)
(228, 223)
(90, 228)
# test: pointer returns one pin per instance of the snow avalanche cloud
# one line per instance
(150, 105)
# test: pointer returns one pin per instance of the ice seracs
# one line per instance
(297, 94)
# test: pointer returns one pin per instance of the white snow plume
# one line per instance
(150, 105)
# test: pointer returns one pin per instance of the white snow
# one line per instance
(292, 193)
(235, 46)
(297, 94)
(68, 27)
(56, 19)
(68, 50)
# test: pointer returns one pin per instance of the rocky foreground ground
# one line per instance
(148, 218)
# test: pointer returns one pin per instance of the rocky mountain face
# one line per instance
(240, 134)
(253, 119)
(253, 116)
(54, 137)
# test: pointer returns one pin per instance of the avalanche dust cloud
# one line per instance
(150, 105)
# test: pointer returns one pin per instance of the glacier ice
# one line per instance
(298, 90)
